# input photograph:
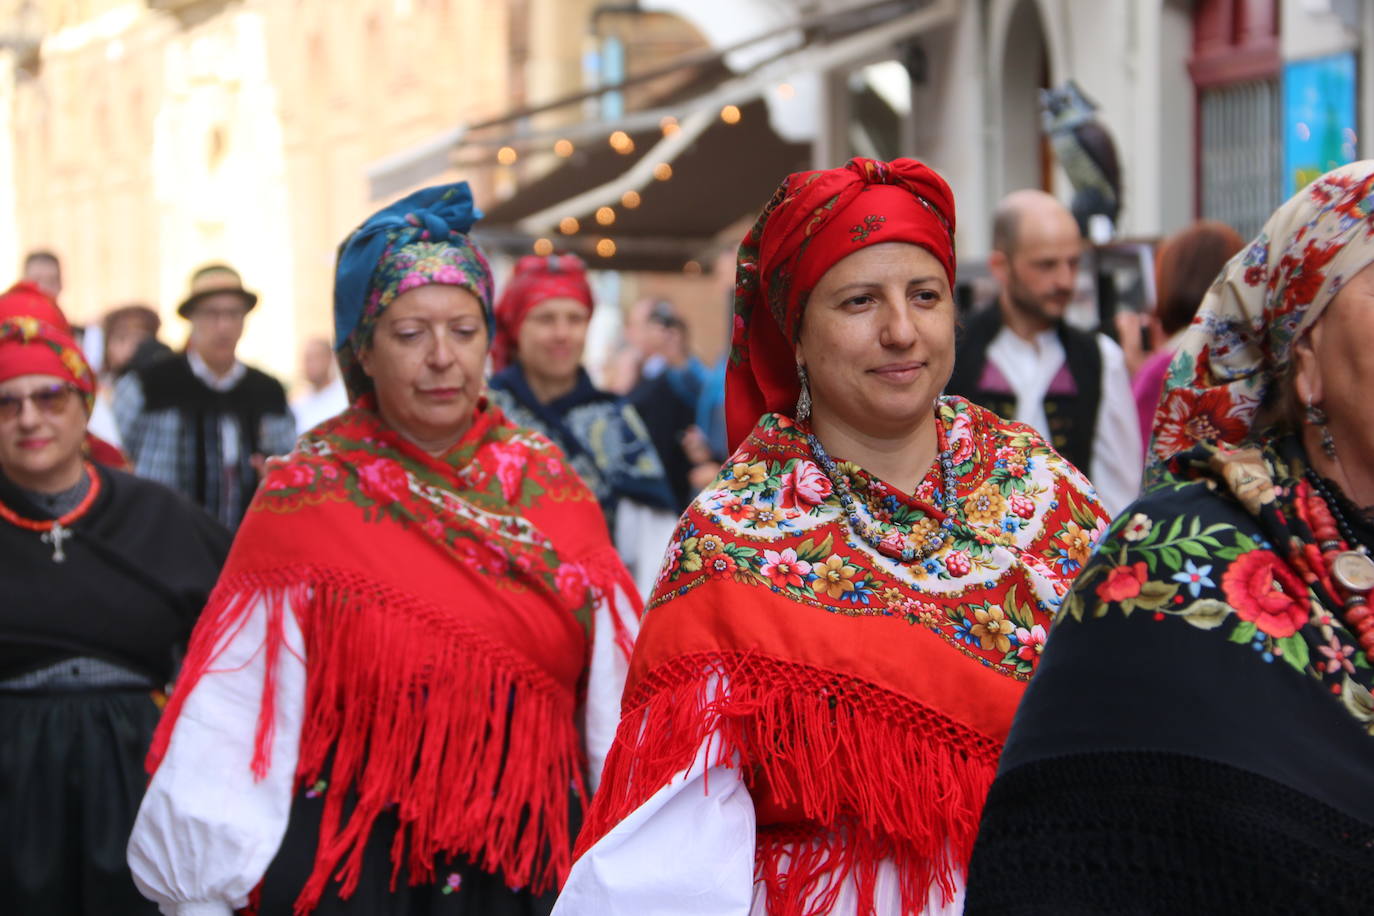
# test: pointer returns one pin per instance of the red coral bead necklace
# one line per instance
(1347, 561)
(56, 530)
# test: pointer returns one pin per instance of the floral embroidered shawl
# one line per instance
(424, 588)
(1265, 298)
(867, 700)
(1235, 557)
(1199, 736)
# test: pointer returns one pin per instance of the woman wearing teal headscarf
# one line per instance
(400, 694)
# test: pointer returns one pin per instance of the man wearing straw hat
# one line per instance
(201, 421)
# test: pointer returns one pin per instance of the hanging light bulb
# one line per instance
(605, 248)
(621, 142)
(630, 200)
(730, 114)
(663, 171)
(507, 155)
(568, 225)
(668, 124)
(605, 215)
(563, 148)
(543, 247)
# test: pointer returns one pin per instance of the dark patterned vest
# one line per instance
(1070, 402)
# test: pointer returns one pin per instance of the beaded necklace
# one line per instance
(1351, 568)
(881, 536)
(56, 531)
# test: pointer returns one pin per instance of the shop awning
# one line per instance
(663, 203)
(724, 174)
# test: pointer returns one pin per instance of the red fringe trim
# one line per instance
(873, 774)
(476, 747)
(607, 575)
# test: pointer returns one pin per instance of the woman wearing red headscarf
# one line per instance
(536, 352)
(103, 576)
(849, 613)
(25, 299)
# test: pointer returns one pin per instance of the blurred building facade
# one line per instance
(143, 138)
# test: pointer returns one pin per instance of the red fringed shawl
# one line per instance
(867, 701)
(446, 608)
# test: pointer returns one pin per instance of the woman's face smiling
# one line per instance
(877, 340)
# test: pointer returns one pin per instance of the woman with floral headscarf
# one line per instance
(1200, 736)
(379, 709)
(849, 613)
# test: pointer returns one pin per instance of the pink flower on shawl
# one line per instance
(783, 568)
(384, 480)
(1337, 656)
(297, 475)
(1032, 642)
(804, 486)
(961, 438)
(509, 470)
(571, 580)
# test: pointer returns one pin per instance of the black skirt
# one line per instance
(459, 888)
(71, 778)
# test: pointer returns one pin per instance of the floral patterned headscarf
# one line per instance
(1266, 297)
(419, 240)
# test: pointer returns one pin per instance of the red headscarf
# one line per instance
(31, 347)
(25, 298)
(36, 339)
(814, 220)
(536, 279)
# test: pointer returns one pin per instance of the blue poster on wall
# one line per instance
(1318, 117)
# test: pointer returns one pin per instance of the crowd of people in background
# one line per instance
(856, 530)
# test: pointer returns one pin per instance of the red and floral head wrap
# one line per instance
(27, 299)
(536, 279)
(813, 221)
(32, 347)
(35, 339)
(1265, 298)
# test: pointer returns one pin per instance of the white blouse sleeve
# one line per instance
(703, 823)
(1116, 464)
(606, 680)
(642, 535)
(207, 830)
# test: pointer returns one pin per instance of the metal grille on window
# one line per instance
(1242, 154)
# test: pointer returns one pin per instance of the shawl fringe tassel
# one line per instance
(395, 709)
(864, 774)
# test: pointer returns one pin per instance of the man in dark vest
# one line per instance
(201, 421)
(1021, 360)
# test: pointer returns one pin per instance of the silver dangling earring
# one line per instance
(803, 412)
(1317, 417)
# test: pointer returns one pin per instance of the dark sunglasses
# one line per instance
(49, 400)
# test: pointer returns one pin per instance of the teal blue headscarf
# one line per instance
(420, 239)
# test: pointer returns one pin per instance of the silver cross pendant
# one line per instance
(55, 537)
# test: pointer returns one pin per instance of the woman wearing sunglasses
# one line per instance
(102, 576)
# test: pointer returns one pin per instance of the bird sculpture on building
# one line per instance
(1088, 154)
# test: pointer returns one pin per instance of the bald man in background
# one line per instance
(1021, 360)
(44, 270)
